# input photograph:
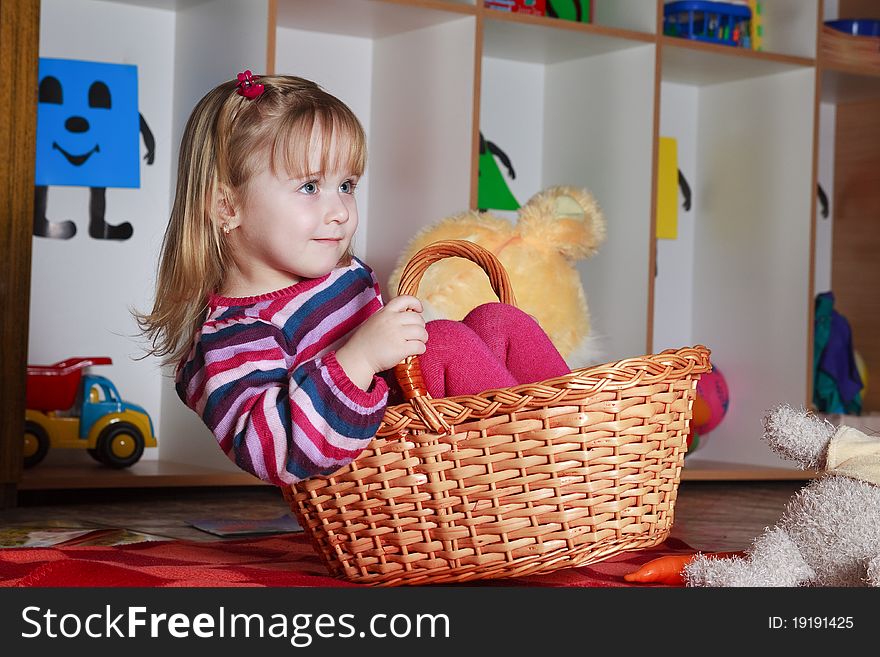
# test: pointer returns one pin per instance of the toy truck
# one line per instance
(68, 407)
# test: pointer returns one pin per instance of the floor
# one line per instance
(711, 516)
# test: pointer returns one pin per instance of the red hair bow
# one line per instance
(247, 85)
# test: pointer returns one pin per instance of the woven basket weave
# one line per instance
(509, 482)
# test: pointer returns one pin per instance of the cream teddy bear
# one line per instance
(555, 228)
(829, 534)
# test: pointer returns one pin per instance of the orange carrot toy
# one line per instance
(669, 570)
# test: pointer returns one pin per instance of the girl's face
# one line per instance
(290, 229)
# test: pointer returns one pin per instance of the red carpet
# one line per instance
(281, 560)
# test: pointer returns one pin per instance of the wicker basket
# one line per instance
(512, 481)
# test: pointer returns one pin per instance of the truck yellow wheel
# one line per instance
(120, 445)
(36, 444)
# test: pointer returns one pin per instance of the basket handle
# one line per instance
(409, 372)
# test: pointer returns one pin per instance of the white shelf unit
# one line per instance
(572, 104)
(749, 142)
(575, 107)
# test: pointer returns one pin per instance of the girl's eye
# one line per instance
(309, 188)
(347, 187)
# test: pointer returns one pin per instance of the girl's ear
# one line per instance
(223, 206)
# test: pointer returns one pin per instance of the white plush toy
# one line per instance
(829, 534)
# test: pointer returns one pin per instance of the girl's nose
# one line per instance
(337, 210)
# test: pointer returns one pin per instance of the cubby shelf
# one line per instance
(842, 85)
(692, 62)
(558, 27)
(376, 19)
(156, 474)
(144, 474)
(728, 52)
(579, 104)
(696, 469)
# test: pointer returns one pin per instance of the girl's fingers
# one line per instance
(404, 302)
(410, 319)
(414, 332)
(418, 347)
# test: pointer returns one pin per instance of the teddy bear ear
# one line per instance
(566, 218)
(468, 225)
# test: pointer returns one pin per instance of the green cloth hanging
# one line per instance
(837, 386)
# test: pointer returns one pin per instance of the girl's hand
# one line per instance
(395, 332)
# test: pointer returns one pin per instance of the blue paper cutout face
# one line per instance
(87, 124)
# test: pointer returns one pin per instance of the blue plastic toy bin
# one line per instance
(712, 22)
(856, 26)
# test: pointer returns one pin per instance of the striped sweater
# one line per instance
(264, 378)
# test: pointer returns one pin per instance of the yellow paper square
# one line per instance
(667, 190)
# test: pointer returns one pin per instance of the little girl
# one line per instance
(278, 332)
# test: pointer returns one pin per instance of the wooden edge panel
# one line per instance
(271, 31)
(440, 5)
(742, 53)
(19, 56)
(814, 182)
(655, 148)
(475, 127)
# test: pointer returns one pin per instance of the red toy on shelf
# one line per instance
(53, 387)
(68, 408)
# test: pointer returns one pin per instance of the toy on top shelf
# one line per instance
(856, 26)
(851, 43)
(578, 11)
(535, 7)
(756, 25)
(712, 22)
(68, 408)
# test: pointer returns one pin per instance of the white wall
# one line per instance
(751, 270)
(598, 133)
(82, 288)
(674, 284)
(511, 116)
(586, 122)
(343, 66)
(830, 10)
(825, 227)
(421, 127)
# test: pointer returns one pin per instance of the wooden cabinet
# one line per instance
(848, 239)
(19, 27)
(577, 104)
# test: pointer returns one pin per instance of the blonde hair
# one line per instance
(225, 143)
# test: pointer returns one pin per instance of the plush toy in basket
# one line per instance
(511, 481)
(556, 228)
